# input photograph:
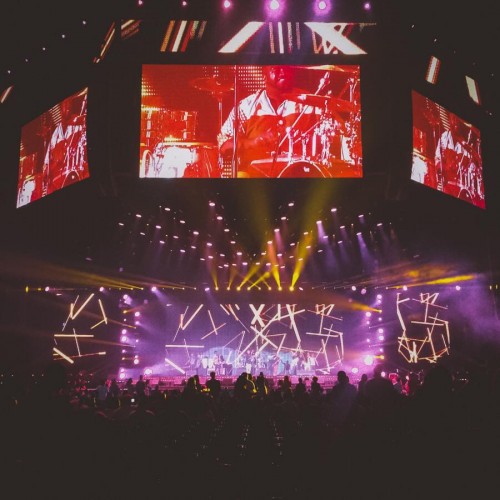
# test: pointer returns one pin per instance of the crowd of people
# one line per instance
(379, 435)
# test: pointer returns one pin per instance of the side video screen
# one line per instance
(291, 121)
(53, 151)
(446, 152)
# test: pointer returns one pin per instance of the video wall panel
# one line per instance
(292, 121)
(446, 152)
(53, 150)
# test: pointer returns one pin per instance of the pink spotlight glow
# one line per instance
(274, 5)
(368, 360)
(226, 4)
(322, 7)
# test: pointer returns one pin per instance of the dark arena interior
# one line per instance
(294, 198)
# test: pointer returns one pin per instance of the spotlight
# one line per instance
(226, 4)
(274, 5)
(322, 7)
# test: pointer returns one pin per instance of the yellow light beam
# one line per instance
(191, 346)
(171, 363)
(192, 317)
(67, 358)
(213, 331)
(234, 338)
(72, 335)
(103, 313)
(97, 324)
(82, 306)
(76, 342)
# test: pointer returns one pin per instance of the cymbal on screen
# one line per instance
(323, 100)
(330, 67)
(211, 85)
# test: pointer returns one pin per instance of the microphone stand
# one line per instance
(236, 120)
(322, 84)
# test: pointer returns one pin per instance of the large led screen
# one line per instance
(446, 152)
(53, 152)
(292, 121)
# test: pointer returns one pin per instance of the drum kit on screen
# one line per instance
(331, 147)
(171, 148)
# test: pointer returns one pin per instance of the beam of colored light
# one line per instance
(246, 348)
(76, 342)
(97, 324)
(171, 363)
(213, 331)
(101, 353)
(178, 328)
(323, 335)
(184, 326)
(293, 325)
(103, 312)
(213, 274)
(263, 278)
(254, 268)
(80, 335)
(191, 346)
(74, 315)
(323, 343)
(266, 339)
(67, 358)
(230, 307)
(234, 338)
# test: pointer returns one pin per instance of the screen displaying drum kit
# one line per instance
(446, 152)
(170, 135)
(53, 152)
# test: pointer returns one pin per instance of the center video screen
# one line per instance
(53, 150)
(291, 121)
(446, 152)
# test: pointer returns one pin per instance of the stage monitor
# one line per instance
(293, 121)
(53, 152)
(446, 152)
